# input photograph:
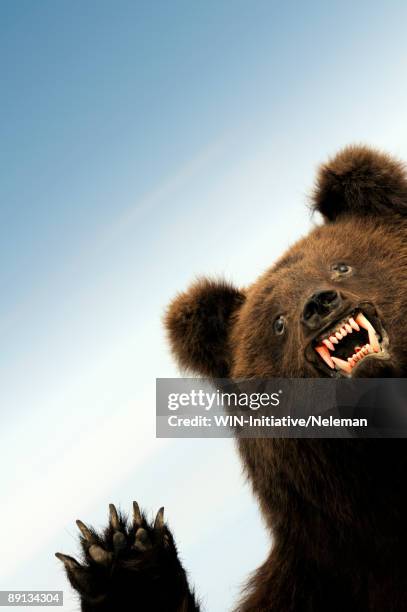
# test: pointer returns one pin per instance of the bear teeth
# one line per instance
(342, 365)
(324, 353)
(366, 324)
(327, 345)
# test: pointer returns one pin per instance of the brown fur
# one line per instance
(360, 181)
(336, 508)
(198, 324)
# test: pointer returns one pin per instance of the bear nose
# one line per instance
(319, 306)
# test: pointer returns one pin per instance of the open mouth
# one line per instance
(350, 341)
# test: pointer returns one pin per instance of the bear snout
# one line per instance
(319, 306)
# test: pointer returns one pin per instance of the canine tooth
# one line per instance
(348, 328)
(333, 339)
(324, 353)
(329, 345)
(369, 348)
(342, 365)
(338, 335)
(362, 321)
(374, 343)
(354, 324)
(366, 324)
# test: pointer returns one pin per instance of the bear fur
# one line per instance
(336, 508)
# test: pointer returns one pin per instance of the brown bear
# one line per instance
(334, 305)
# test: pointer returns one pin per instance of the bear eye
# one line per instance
(341, 268)
(279, 325)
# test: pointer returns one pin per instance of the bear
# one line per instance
(333, 306)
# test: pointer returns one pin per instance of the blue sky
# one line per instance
(144, 144)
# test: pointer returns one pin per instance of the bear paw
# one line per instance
(129, 566)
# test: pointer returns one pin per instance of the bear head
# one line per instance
(335, 304)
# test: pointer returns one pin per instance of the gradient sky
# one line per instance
(144, 143)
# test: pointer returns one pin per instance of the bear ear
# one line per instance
(198, 323)
(360, 181)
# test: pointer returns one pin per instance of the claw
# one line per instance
(142, 541)
(114, 518)
(99, 555)
(69, 562)
(78, 574)
(159, 519)
(137, 518)
(84, 531)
